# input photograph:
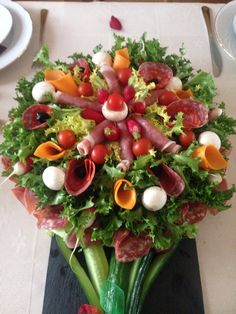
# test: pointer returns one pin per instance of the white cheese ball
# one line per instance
(175, 83)
(41, 90)
(209, 137)
(215, 178)
(154, 198)
(54, 178)
(101, 58)
(113, 115)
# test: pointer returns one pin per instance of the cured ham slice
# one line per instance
(26, 197)
(35, 116)
(160, 141)
(74, 101)
(95, 137)
(79, 176)
(170, 181)
(49, 218)
(126, 142)
(195, 113)
(83, 65)
(110, 77)
(159, 73)
(129, 247)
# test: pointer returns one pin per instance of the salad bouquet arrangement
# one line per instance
(124, 150)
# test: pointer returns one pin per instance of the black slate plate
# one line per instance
(176, 291)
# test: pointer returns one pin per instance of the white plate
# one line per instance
(5, 23)
(224, 28)
(18, 39)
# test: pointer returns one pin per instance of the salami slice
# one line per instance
(74, 101)
(160, 141)
(192, 212)
(159, 73)
(84, 69)
(195, 113)
(26, 197)
(129, 247)
(79, 176)
(170, 181)
(35, 116)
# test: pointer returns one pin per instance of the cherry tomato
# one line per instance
(141, 147)
(115, 102)
(124, 75)
(139, 107)
(187, 138)
(66, 138)
(98, 154)
(112, 132)
(167, 97)
(85, 89)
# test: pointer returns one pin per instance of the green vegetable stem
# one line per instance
(79, 272)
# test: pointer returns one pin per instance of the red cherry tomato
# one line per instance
(124, 75)
(66, 138)
(140, 107)
(187, 138)
(115, 102)
(112, 132)
(141, 147)
(98, 154)
(166, 98)
(85, 89)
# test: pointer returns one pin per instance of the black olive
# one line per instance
(80, 172)
(42, 116)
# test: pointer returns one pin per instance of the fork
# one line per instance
(43, 18)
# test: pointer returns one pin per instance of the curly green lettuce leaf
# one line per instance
(203, 87)
(96, 80)
(141, 88)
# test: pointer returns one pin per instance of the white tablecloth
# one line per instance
(79, 27)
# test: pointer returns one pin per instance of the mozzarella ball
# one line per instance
(214, 114)
(215, 178)
(101, 58)
(54, 178)
(154, 198)
(113, 115)
(175, 83)
(209, 137)
(41, 90)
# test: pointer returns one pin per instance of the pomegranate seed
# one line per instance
(129, 93)
(115, 23)
(139, 107)
(102, 95)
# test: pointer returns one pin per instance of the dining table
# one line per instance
(78, 27)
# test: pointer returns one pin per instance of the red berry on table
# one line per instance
(115, 23)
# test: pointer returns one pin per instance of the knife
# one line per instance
(216, 59)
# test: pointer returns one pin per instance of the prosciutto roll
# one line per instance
(111, 79)
(126, 142)
(160, 141)
(95, 137)
(74, 101)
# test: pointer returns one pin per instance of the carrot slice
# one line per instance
(124, 198)
(184, 94)
(49, 151)
(121, 60)
(211, 158)
(61, 81)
